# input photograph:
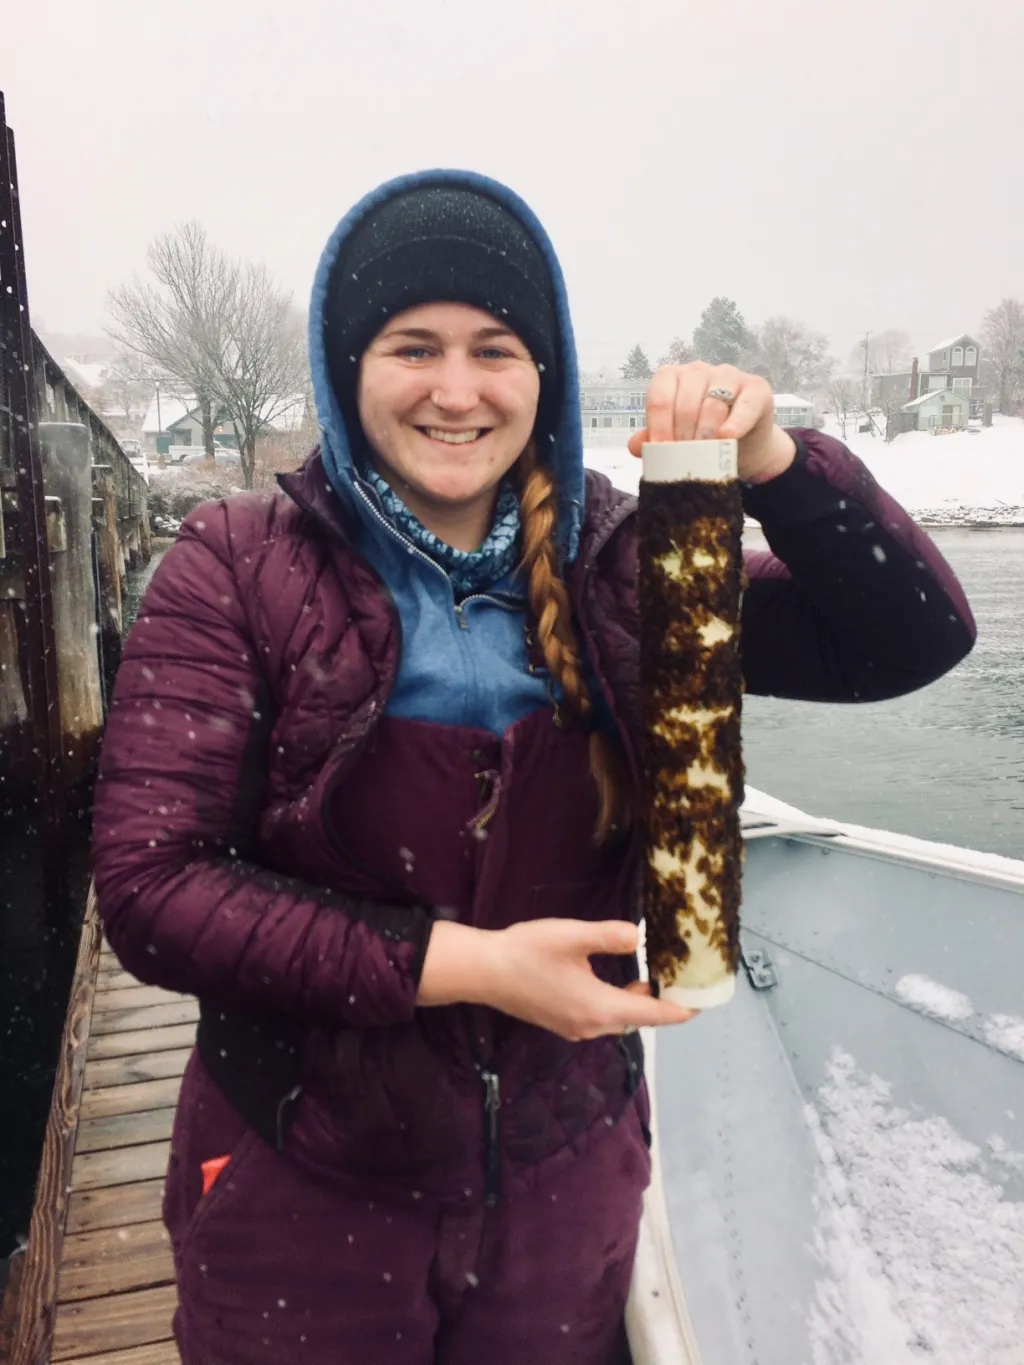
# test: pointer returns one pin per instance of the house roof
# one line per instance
(87, 374)
(790, 400)
(172, 410)
(952, 341)
(288, 414)
(944, 394)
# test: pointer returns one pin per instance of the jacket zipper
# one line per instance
(492, 1153)
(491, 1083)
(505, 602)
(512, 605)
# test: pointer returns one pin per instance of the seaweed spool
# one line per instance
(690, 586)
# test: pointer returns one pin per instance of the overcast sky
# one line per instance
(853, 163)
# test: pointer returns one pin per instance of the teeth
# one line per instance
(453, 438)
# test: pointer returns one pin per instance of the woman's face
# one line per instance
(447, 398)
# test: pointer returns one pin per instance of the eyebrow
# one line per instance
(425, 333)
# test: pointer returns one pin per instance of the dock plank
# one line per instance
(140, 1040)
(114, 1261)
(179, 1010)
(101, 1288)
(117, 1206)
(158, 1353)
(147, 1066)
(136, 997)
(105, 1101)
(115, 979)
(124, 1130)
(125, 1166)
(110, 1324)
(37, 1292)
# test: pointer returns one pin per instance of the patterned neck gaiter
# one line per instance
(469, 570)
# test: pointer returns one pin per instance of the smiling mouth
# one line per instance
(454, 438)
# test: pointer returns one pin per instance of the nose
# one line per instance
(456, 388)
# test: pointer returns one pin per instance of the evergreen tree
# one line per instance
(637, 365)
(722, 338)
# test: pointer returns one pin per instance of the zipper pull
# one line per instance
(492, 1092)
(492, 1157)
(463, 623)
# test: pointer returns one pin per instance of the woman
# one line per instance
(366, 791)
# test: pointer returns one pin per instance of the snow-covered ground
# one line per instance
(968, 477)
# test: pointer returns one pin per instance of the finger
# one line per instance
(753, 405)
(635, 444)
(661, 397)
(606, 936)
(690, 397)
(714, 412)
(644, 1011)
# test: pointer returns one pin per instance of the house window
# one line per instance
(947, 414)
(962, 385)
(971, 356)
(958, 355)
(606, 421)
(632, 423)
(593, 422)
(183, 438)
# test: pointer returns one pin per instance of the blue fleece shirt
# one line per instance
(462, 663)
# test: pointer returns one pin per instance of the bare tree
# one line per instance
(680, 352)
(129, 384)
(844, 396)
(887, 352)
(790, 356)
(1002, 358)
(177, 320)
(259, 370)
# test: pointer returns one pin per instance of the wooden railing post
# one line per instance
(66, 476)
(108, 556)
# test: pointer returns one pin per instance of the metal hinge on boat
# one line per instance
(759, 968)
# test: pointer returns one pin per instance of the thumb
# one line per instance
(635, 444)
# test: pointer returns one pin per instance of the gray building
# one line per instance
(952, 364)
(956, 362)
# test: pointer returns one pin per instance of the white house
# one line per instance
(609, 411)
(937, 410)
(791, 411)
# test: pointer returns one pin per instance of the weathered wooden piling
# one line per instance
(68, 482)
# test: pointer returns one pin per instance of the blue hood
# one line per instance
(566, 450)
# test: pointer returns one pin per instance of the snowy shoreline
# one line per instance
(969, 480)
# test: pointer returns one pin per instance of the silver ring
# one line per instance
(725, 396)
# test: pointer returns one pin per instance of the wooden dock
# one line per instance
(97, 1284)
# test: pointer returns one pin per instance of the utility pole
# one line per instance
(866, 343)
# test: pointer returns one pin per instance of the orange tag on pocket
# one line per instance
(211, 1170)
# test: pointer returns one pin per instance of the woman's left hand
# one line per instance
(680, 407)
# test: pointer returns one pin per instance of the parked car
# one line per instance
(223, 456)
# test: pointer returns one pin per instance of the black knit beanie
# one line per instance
(434, 244)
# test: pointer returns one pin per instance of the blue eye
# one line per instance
(413, 352)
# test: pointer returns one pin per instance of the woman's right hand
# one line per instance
(539, 971)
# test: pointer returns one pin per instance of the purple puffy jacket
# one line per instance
(261, 661)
